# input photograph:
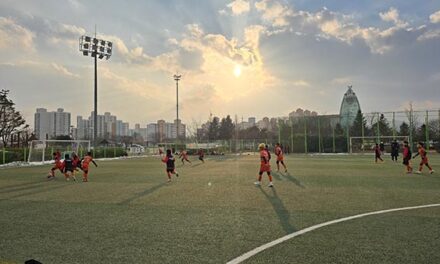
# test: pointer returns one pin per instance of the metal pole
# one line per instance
(291, 134)
(378, 128)
(95, 114)
(279, 131)
(427, 130)
(305, 134)
(411, 128)
(177, 109)
(334, 141)
(394, 125)
(319, 135)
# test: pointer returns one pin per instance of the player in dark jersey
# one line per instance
(407, 157)
(201, 155)
(170, 166)
(377, 153)
(68, 168)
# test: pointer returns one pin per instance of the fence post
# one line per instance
(378, 128)
(427, 130)
(348, 138)
(319, 135)
(305, 135)
(24, 154)
(411, 128)
(279, 131)
(4, 155)
(394, 126)
(114, 152)
(291, 135)
(105, 151)
(334, 141)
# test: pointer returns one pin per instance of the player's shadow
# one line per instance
(294, 180)
(143, 193)
(46, 188)
(279, 176)
(281, 211)
(21, 186)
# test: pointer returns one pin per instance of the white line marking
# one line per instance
(311, 228)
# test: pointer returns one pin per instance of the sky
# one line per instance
(245, 58)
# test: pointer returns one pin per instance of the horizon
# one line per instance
(246, 58)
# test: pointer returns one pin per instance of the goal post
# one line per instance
(366, 144)
(41, 150)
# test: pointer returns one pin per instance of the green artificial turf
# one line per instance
(127, 213)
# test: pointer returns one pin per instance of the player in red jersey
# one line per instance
(407, 157)
(184, 156)
(424, 159)
(264, 165)
(58, 165)
(378, 153)
(169, 160)
(280, 157)
(85, 165)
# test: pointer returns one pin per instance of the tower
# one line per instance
(349, 108)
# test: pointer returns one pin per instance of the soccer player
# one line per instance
(58, 165)
(264, 165)
(184, 156)
(68, 168)
(280, 157)
(407, 157)
(85, 165)
(170, 169)
(424, 159)
(378, 152)
(201, 155)
(394, 150)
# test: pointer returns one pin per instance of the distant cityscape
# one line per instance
(55, 124)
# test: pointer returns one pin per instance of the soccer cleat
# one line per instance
(177, 174)
(431, 171)
(169, 180)
(418, 172)
(270, 184)
(257, 183)
(74, 178)
(285, 171)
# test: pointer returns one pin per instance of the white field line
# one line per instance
(280, 240)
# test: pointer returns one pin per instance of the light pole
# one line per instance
(97, 48)
(177, 79)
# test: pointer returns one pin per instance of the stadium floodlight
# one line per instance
(97, 48)
(177, 79)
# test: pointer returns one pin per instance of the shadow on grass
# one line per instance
(198, 164)
(46, 188)
(143, 193)
(21, 186)
(294, 180)
(279, 176)
(280, 210)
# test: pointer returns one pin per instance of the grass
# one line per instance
(127, 213)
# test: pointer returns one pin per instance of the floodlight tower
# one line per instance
(97, 48)
(177, 79)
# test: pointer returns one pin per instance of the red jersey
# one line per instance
(406, 153)
(86, 161)
(264, 160)
(279, 153)
(422, 153)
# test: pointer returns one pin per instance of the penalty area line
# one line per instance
(280, 240)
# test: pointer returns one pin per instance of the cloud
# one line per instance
(61, 69)
(435, 17)
(301, 83)
(274, 12)
(430, 34)
(14, 36)
(239, 7)
(392, 15)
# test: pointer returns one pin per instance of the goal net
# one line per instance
(41, 150)
(367, 144)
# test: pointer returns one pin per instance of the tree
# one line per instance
(384, 127)
(404, 129)
(226, 128)
(11, 121)
(213, 129)
(359, 123)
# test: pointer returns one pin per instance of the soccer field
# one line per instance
(213, 213)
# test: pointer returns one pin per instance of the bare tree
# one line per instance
(11, 121)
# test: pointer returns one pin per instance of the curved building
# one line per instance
(349, 108)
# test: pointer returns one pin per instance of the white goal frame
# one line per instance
(375, 138)
(45, 141)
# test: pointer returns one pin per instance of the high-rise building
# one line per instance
(48, 125)
(349, 108)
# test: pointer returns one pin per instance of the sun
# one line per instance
(237, 71)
